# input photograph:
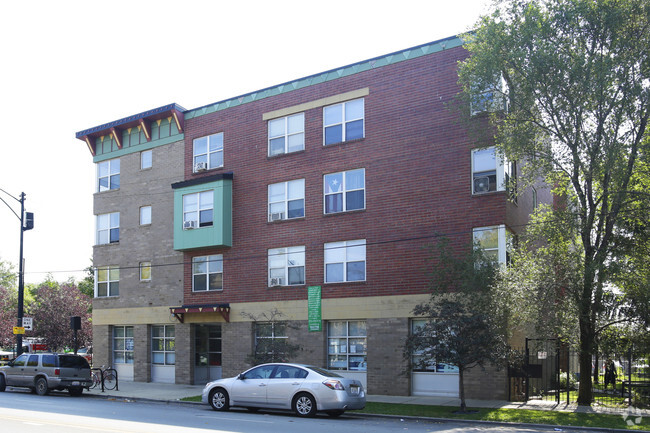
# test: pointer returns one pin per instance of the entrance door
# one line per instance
(207, 353)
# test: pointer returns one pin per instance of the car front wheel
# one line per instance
(304, 405)
(218, 399)
(41, 386)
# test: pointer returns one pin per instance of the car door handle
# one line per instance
(262, 384)
(296, 383)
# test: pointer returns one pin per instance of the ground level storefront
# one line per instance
(198, 347)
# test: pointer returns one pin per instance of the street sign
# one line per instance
(27, 323)
(19, 330)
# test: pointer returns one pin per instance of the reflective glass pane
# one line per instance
(145, 215)
(355, 179)
(216, 159)
(334, 252)
(297, 275)
(333, 183)
(296, 189)
(215, 264)
(145, 159)
(296, 123)
(296, 142)
(276, 127)
(118, 331)
(157, 331)
(200, 282)
(113, 289)
(354, 200)
(487, 237)
(114, 274)
(334, 203)
(337, 329)
(334, 273)
(484, 160)
(358, 329)
(103, 169)
(158, 358)
(115, 235)
(356, 250)
(119, 358)
(102, 289)
(190, 201)
(201, 146)
(129, 333)
(103, 183)
(115, 181)
(296, 208)
(216, 281)
(115, 219)
(276, 192)
(206, 198)
(333, 134)
(333, 114)
(354, 110)
(354, 130)
(356, 271)
(277, 258)
(206, 217)
(216, 142)
(276, 146)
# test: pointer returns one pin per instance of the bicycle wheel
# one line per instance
(96, 379)
(110, 380)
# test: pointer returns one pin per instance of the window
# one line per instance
(123, 344)
(346, 345)
(163, 345)
(208, 345)
(198, 210)
(287, 134)
(496, 242)
(107, 281)
(343, 122)
(287, 200)
(145, 215)
(207, 273)
(108, 175)
(208, 152)
(146, 159)
(286, 266)
(489, 97)
(145, 271)
(345, 191)
(270, 340)
(345, 261)
(108, 228)
(429, 366)
(491, 172)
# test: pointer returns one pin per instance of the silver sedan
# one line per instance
(305, 389)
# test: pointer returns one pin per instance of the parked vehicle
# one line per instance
(5, 357)
(43, 372)
(304, 389)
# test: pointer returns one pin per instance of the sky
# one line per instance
(71, 65)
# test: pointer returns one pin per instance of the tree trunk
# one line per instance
(586, 346)
(461, 390)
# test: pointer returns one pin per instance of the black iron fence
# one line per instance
(545, 370)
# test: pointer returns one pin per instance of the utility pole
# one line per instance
(21, 280)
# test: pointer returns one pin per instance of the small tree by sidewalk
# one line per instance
(271, 342)
(465, 327)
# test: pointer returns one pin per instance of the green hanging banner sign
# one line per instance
(314, 308)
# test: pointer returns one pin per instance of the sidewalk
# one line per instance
(174, 392)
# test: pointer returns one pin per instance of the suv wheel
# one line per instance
(75, 391)
(41, 386)
(3, 384)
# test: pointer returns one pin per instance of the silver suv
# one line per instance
(43, 372)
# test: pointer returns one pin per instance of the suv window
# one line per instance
(72, 361)
(48, 360)
(33, 361)
(20, 361)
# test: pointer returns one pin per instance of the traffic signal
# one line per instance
(28, 224)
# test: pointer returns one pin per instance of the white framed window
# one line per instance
(145, 271)
(489, 97)
(163, 345)
(122, 344)
(198, 210)
(145, 215)
(108, 228)
(345, 191)
(495, 241)
(286, 200)
(146, 159)
(491, 172)
(286, 266)
(208, 152)
(287, 134)
(108, 175)
(107, 281)
(343, 122)
(207, 273)
(345, 261)
(270, 336)
(347, 345)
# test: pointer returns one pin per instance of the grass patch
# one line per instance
(525, 416)
(195, 398)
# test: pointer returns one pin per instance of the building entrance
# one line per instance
(207, 353)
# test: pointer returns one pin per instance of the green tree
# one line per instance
(466, 325)
(578, 91)
(87, 285)
(8, 275)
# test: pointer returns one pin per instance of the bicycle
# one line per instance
(104, 376)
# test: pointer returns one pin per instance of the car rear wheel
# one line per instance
(304, 405)
(218, 399)
(3, 384)
(41, 386)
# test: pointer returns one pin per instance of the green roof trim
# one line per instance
(377, 62)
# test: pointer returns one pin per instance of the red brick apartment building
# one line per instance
(316, 198)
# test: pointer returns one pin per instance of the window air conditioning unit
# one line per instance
(481, 184)
(276, 216)
(277, 281)
(200, 166)
(189, 225)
